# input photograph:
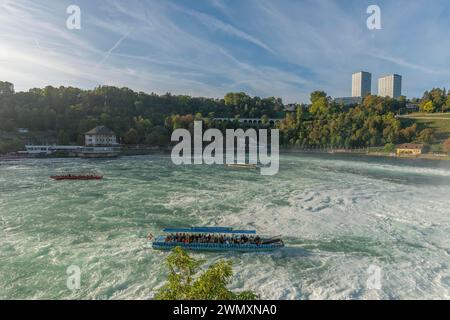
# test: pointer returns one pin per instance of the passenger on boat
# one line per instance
(203, 238)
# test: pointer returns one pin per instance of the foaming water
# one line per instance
(339, 215)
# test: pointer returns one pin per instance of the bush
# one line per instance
(436, 148)
(426, 136)
(10, 146)
(159, 136)
(389, 147)
(131, 137)
(446, 146)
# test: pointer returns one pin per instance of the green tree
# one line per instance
(143, 127)
(319, 103)
(183, 283)
(239, 99)
(436, 148)
(428, 107)
(389, 147)
(316, 95)
(408, 134)
(10, 146)
(265, 120)
(438, 97)
(158, 137)
(7, 125)
(63, 137)
(446, 145)
(131, 137)
(426, 136)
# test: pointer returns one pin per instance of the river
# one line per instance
(354, 227)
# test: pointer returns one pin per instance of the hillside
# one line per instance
(440, 122)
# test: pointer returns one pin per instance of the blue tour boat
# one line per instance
(216, 239)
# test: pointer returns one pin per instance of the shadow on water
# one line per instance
(286, 252)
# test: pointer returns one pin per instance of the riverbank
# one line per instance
(372, 152)
(365, 152)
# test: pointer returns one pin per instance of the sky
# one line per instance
(282, 48)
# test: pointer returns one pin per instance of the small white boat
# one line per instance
(242, 166)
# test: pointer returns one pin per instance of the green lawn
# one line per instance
(425, 120)
(429, 115)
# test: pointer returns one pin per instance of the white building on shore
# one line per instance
(100, 142)
(100, 136)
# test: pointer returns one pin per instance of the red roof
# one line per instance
(410, 146)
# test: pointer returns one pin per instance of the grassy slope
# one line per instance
(439, 122)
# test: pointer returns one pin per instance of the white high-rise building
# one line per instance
(390, 86)
(361, 84)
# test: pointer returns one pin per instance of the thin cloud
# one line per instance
(216, 24)
(402, 62)
(290, 47)
(114, 47)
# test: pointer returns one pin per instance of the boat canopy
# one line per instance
(227, 230)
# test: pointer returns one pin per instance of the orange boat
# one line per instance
(77, 177)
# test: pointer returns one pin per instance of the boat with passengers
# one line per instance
(215, 239)
(77, 176)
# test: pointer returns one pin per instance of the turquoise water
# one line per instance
(339, 216)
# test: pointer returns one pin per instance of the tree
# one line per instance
(237, 99)
(143, 126)
(446, 145)
(10, 145)
(428, 107)
(437, 97)
(316, 95)
(7, 124)
(131, 137)
(408, 134)
(436, 148)
(426, 136)
(63, 137)
(389, 147)
(183, 283)
(265, 120)
(319, 102)
(158, 137)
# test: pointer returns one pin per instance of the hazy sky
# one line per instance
(209, 47)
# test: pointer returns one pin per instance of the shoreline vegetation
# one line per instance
(61, 116)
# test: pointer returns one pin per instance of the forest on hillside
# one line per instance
(141, 118)
(71, 111)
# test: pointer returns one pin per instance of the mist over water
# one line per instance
(338, 215)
